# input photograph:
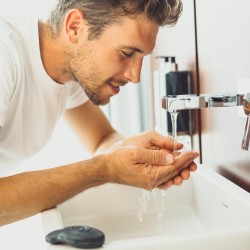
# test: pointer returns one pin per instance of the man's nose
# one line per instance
(133, 71)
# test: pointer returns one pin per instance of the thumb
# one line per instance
(157, 157)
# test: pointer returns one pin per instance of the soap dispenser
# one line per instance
(167, 65)
(168, 80)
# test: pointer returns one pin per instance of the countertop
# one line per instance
(27, 234)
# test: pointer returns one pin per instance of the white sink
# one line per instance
(206, 212)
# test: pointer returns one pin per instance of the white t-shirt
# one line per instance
(31, 103)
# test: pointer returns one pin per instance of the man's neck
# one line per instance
(52, 54)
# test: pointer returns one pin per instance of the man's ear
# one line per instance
(74, 25)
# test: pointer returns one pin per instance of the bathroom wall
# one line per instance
(179, 41)
(223, 56)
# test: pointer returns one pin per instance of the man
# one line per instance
(81, 57)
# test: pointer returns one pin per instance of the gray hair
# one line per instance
(101, 13)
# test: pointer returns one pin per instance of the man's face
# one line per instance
(103, 65)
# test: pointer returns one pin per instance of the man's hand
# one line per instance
(151, 140)
(146, 168)
(154, 141)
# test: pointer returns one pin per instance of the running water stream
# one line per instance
(159, 201)
(174, 115)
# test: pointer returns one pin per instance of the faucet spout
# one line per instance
(183, 102)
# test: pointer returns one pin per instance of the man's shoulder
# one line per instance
(17, 28)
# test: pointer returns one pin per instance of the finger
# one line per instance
(178, 180)
(184, 160)
(177, 153)
(153, 157)
(166, 185)
(167, 173)
(192, 167)
(170, 159)
(185, 174)
(163, 141)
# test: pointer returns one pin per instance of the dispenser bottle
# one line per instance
(167, 65)
(169, 81)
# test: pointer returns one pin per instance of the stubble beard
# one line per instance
(91, 85)
(93, 94)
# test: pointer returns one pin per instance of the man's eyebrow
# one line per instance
(135, 49)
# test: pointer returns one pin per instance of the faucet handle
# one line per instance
(246, 136)
(246, 103)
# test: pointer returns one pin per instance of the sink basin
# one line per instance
(205, 212)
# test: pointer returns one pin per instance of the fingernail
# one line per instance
(169, 159)
(196, 155)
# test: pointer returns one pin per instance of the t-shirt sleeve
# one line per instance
(7, 80)
(77, 96)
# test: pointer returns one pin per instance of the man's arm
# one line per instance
(29, 193)
(92, 127)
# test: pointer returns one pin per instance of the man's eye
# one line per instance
(127, 54)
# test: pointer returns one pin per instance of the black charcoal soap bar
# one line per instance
(77, 236)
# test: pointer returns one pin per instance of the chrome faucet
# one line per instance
(184, 102)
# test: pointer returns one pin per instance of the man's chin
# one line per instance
(101, 102)
(105, 102)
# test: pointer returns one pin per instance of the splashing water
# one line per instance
(161, 203)
(159, 199)
(143, 204)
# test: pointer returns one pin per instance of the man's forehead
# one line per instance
(136, 34)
